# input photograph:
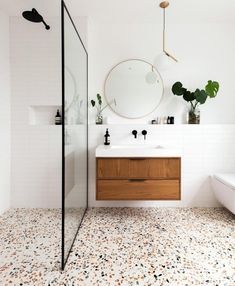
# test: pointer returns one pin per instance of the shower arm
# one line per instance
(46, 26)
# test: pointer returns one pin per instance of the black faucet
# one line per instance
(134, 132)
(144, 132)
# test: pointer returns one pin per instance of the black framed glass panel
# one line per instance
(74, 100)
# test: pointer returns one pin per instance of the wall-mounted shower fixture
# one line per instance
(34, 16)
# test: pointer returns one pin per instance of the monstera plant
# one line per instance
(199, 96)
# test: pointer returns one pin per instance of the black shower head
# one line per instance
(34, 16)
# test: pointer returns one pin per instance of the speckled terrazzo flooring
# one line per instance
(73, 217)
(120, 246)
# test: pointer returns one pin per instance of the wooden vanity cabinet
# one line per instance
(138, 178)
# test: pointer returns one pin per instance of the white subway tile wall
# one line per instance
(5, 118)
(36, 81)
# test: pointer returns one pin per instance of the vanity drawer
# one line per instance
(138, 189)
(146, 168)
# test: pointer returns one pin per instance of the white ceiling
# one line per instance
(129, 10)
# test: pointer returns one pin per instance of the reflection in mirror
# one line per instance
(74, 194)
(73, 100)
(136, 86)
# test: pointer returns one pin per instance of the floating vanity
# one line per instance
(129, 172)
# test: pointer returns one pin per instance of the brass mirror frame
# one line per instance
(153, 69)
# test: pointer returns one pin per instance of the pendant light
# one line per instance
(151, 76)
(163, 60)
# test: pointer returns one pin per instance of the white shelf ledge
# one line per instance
(43, 114)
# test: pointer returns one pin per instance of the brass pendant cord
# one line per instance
(164, 36)
(164, 28)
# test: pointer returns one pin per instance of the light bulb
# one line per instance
(151, 77)
(162, 62)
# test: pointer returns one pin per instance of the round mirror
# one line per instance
(133, 88)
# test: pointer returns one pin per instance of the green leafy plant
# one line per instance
(98, 105)
(99, 102)
(199, 96)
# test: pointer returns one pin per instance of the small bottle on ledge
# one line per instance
(107, 137)
(58, 118)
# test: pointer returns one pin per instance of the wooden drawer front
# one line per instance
(112, 168)
(152, 168)
(138, 190)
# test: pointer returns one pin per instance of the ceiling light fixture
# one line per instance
(160, 60)
(151, 77)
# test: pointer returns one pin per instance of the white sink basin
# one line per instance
(136, 146)
(137, 151)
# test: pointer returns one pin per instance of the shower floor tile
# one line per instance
(120, 246)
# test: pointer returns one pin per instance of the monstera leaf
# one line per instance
(212, 88)
(197, 97)
(178, 88)
(189, 96)
(200, 96)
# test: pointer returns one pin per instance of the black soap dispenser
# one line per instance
(107, 137)
(58, 118)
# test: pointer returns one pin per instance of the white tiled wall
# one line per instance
(5, 140)
(207, 149)
(36, 81)
(35, 54)
(111, 43)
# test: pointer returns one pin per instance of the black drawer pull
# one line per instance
(136, 180)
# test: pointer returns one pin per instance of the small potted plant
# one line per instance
(98, 105)
(196, 98)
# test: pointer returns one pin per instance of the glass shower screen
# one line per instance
(74, 100)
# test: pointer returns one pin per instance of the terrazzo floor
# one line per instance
(120, 246)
